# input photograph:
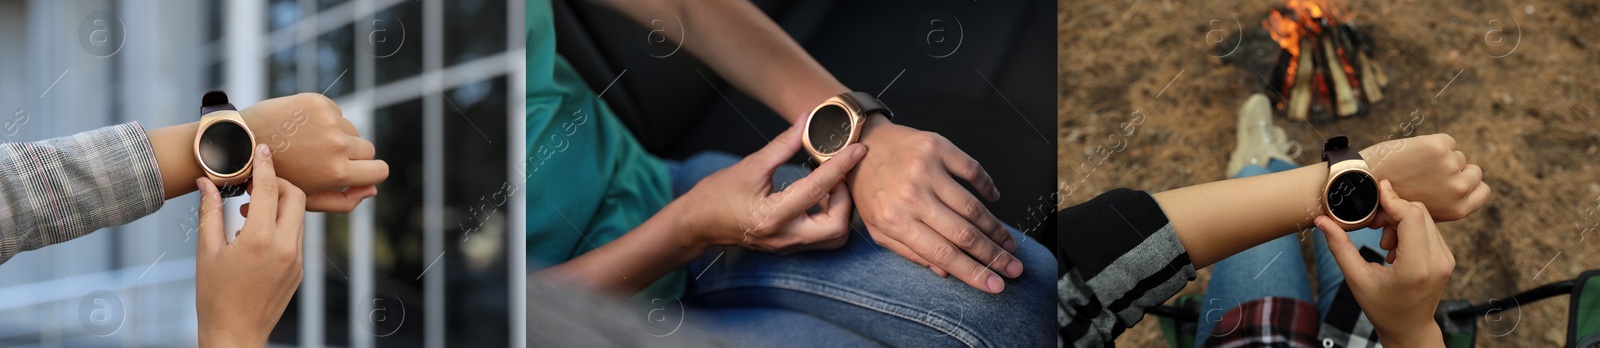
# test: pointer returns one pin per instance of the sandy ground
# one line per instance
(1520, 102)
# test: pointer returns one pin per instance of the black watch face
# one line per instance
(830, 129)
(1352, 195)
(225, 147)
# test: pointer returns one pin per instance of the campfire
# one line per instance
(1326, 68)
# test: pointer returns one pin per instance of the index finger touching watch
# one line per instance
(838, 122)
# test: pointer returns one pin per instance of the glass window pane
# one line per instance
(213, 21)
(397, 237)
(335, 281)
(325, 4)
(475, 28)
(335, 60)
(395, 36)
(214, 75)
(282, 75)
(476, 228)
(282, 13)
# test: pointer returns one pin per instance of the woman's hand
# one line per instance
(1400, 300)
(319, 150)
(242, 288)
(1430, 170)
(912, 204)
(736, 206)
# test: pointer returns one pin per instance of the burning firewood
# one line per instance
(1341, 83)
(1326, 69)
(1300, 94)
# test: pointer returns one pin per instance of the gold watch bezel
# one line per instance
(857, 121)
(210, 119)
(1334, 171)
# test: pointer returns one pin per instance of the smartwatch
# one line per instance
(224, 146)
(1350, 196)
(837, 123)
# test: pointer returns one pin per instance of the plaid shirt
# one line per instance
(54, 190)
(1119, 255)
(1287, 322)
(1267, 322)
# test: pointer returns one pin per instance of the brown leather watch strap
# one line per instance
(1337, 149)
(869, 104)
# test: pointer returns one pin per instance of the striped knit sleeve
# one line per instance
(1119, 256)
(54, 190)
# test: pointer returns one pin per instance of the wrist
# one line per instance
(797, 105)
(210, 338)
(875, 122)
(1424, 336)
(1319, 171)
(1375, 155)
(684, 230)
(174, 151)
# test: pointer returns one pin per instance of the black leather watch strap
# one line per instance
(1337, 149)
(214, 100)
(870, 104)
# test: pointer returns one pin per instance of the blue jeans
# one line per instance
(1274, 268)
(859, 294)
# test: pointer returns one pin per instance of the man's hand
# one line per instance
(242, 288)
(906, 192)
(1430, 170)
(1399, 300)
(318, 150)
(736, 206)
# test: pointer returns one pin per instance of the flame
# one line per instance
(1284, 30)
(1303, 18)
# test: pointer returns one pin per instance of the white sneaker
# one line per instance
(1259, 141)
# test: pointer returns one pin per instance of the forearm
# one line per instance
(1218, 219)
(749, 50)
(632, 262)
(174, 147)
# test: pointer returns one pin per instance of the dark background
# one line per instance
(675, 113)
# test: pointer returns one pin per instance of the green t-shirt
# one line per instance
(588, 180)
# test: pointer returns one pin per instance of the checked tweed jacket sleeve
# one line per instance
(54, 190)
